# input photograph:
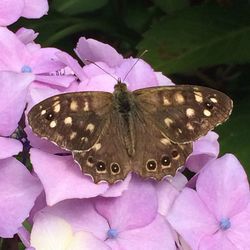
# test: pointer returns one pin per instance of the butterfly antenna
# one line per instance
(87, 60)
(139, 58)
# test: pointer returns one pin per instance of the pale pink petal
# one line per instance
(62, 178)
(163, 80)
(239, 233)
(190, 218)
(136, 207)
(218, 241)
(10, 11)
(204, 149)
(81, 215)
(14, 54)
(26, 36)
(12, 99)
(140, 76)
(118, 188)
(223, 187)
(35, 8)
(9, 147)
(57, 80)
(18, 191)
(155, 236)
(99, 68)
(96, 51)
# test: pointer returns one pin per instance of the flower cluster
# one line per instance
(63, 208)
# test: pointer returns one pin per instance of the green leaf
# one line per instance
(199, 37)
(73, 7)
(171, 6)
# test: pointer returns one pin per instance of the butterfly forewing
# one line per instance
(184, 113)
(74, 121)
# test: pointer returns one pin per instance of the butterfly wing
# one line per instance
(107, 160)
(184, 112)
(156, 155)
(73, 121)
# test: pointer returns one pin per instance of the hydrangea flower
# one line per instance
(217, 214)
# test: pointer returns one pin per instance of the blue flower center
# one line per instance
(26, 69)
(225, 224)
(112, 233)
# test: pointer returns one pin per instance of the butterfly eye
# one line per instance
(151, 165)
(115, 168)
(49, 116)
(165, 160)
(100, 166)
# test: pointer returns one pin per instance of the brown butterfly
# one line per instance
(148, 131)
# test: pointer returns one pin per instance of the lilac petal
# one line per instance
(12, 99)
(51, 232)
(191, 218)
(60, 80)
(24, 236)
(239, 233)
(62, 179)
(223, 187)
(9, 147)
(137, 206)
(26, 36)
(35, 8)
(163, 80)
(96, 51)
(218, 241)
(118, 188)
(45, 61)
(18, 191)
(156, 235)
(141, 76)
(100, 68)
(204, 149)
(13, 52)
(81, 215)
(10, 11)
(72, 63)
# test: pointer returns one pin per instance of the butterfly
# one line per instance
(148, 131)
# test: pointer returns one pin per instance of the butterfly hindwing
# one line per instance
(184, 112)
(73, 121)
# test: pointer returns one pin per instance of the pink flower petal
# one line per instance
(24, 236)
(59, 81)
(223, 187)
(204, 149)
(10, 11)
(141, 75)
(9, 147)
(163, 80)
(81, 215)
(26, 36)
(137, 206)
(18, 191)
(97, 52)
(35, 8)
(12, 99)
(191, 219)
(156, 235)
(62, 179)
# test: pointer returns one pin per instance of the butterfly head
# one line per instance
(120, 86)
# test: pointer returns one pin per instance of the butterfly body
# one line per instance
(149, 131)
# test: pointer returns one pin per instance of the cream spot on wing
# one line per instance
(190, 126)
(57, 108)
(73, 135)
(97, 146)
(179, 98)
(90, 127)
(179, 130)
(166, 101)
(165, 141)
(86, 106)
(52, 124)
(68, 121)
(55, 98)
(74, 106)
(214, 100)
(207, 113)
(85, 139)
(168, 121)
(198, 96)
(190, 112)
(43, 112)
